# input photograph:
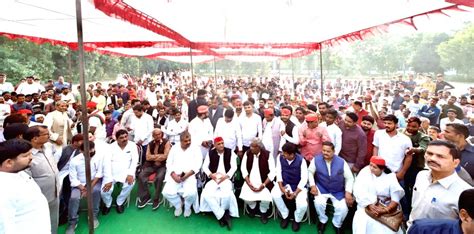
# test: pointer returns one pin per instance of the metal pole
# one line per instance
(321, 70)
(215, 73)
(85, 122)
(192, 72)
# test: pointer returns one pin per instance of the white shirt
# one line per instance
(200, 130)
(5, 109)
(23, 208)
(77, 169)
(295, 139)
(230, 132)
(126, 118)
(444, 121)
(119, 164)
(303, 172)
(251, 127)
(151, 97)
(142, 128)
(392, 149)
(25, 88)
(174, 129)
(180, 160)
(348, 177)
(438, 200)
(335, 134)
(220, 167)
(96, 122)
(255, 173)
(68, 98)
(6, 87)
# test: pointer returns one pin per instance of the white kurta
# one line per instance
(230, 132)
(247, 194)
(381, 187)
(201, 130)
(24, 209)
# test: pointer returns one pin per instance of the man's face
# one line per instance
(433, 134)
(270, 104)
(204, 115)
(254, 148)
(162, 112)
(451, 101)
(238, 106)
(20, 99)
(451, 115)
(433, 102)
(269, 117)
(185, 142)
(288, 156)
(2, 79)
(390, 126)
(328, 152)
(299, 115)
(330, 119)
(108, 116)
(322, 109)
(248, 109)
(225, 102)
(62, 107)
(439, 159)
(214, 103)
(227, 119)
(43, 136)
(219, 146)
(65, 91)
(366, 125)
(261, 103)
(177, 117)
(348, 122)
(122, 139)
(7, 96)
(285, 118)
(312, 124)
(450, 134)
(412, 128)
(57, 97)
(2, 100)
(21, 162)
(29, 80)
(157, 135)
(138, 113)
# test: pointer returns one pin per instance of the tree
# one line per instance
(426, 59)
(457, 52)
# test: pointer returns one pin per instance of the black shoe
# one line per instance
(156, 205)
(120, 208)
(105, 210)
(321, 227)
(252, 212)
(264, 218)
(143, 202)
(284, 223)
(339, 230)
(222, 222)
(228, 220)
(295, 226)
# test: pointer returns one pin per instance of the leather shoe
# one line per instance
(295, 226)
(339, 230)
(284, 223)
(321, 227)
(106, 210)
(252, 212)
(228, 220)
(264, 218)
(120, 209)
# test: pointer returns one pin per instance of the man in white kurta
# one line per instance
(175, 127)
(272, 127)
(24, 208)
(258, 171)
(119, 167)
(330, 177)
(251, 125)
(142, 127)
(218, 196)
(96, 122)
(333, 129)
(292, 176)
(201, 130)
(229, 129)
(183, 162)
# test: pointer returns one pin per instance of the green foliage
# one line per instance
(457, 52)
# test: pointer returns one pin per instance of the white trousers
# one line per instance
(219, 198)
(340, 209)
(301, 203)
(174, 191)
(122, 197)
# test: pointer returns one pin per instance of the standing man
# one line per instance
(119, 167)
(201, 130)
(330, 177)
(216, 111)
(4, 85)
(431, 111)
(457, 134)
(311, 137)
(218, 196)
(251, 125)
(96, 121)
(183, 163)
(289, 131)
(156, 155)
(44, 171)
(367, 126)
(292, 176)
(354, 142)
(142, 126)
(271, 132)
(334, 131)
(436, 192)
(194, 104)
(24, 209)
(229, 129)
(175, 127)
(59, 125)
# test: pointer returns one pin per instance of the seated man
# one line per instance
(258, 171)
(77, 176)
(156, 155)
(292, 176)
(220, 165)
(119, 167)
(330, 177)
(183, 162)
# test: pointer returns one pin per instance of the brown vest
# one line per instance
(161, 149)
(262, 166)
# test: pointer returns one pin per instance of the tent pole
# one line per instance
(85, 124)
(321, 70)
(215, 73)
(192, 72)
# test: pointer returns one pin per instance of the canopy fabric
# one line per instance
(214, 29)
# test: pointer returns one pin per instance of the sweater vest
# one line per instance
(291, 173)
(214, 160)
(334, 183)
(289, 128)
(262, 166)
(161, 148)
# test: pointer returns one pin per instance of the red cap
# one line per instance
(303, 103)
(25, 111)
(311, 118)
(91, 104)
(203, 109)
(379, 161)
(218, 139)
(285, 112)
(268, 112)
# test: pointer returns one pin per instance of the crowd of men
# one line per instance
(371, 149)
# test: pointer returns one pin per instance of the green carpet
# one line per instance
(144, 221)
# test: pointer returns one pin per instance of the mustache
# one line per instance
(433, 162)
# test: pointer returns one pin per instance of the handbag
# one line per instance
(392, 220)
